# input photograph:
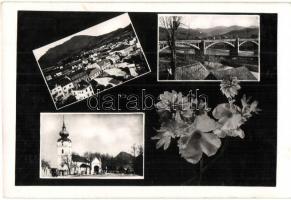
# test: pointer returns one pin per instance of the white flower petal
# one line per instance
(167, 96)
(191, 150)
(233, 122)
(220, 133)
(162, 105)
(209, 143)
(164, 140)
(204, 123)
(221, 110)
(239, 132)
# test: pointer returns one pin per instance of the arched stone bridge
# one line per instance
(203, 45)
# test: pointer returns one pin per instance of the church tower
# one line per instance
(64, 151)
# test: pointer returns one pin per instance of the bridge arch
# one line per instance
(224, 42)
(252, 41)
(193, 46)
(162, 48)
(188, 45)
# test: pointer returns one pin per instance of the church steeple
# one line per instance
(64, 126)
(64, 133)
(64, 149)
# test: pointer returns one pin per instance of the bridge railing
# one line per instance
(211, 40)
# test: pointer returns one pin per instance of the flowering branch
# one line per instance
(187, 119)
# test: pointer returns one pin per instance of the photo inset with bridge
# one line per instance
(209, 47)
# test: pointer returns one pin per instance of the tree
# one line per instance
(107, 162)
(133, 149)
(171, 23)
(140, 150)
(67, 162)
(45, 165)
(74, 166)
(138, 161)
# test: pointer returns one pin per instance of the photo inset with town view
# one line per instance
(195, 47)
(95, 59)
(90, 145)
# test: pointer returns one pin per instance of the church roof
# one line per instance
(77, 158)
(64, 133)
(84, 165)
(65, 139)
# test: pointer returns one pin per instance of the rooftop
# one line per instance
(121, 47)
(194, 71)
(77, 74)
(242, 73)
(93, 71)
(77, 158)
(103, 62)
(82, 85)
(64, 81)
(53, 82)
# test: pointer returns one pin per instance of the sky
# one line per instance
(108, 26)
(209, 21)
(103, 133)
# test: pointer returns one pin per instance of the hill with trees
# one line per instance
(217, 32)
(79, 43)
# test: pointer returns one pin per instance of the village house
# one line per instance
(94, 73)
(83, 90)
(67, 85)
(48, 77)
(121, 65)
(125, 52)
(113, 58)
(80, 165)
(78, 76)
(60, 71)
(132, 42)
(103, 81)
(133, 72)
(93, 57)
(104, 64)
(45, 168)
(74, 66)
(92, 66)
(59, 74)
(56, 91)
(85, 61)
(138, 45)
(113, 82)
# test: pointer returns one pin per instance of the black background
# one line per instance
(247, 162)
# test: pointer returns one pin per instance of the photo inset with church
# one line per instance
(92, 145)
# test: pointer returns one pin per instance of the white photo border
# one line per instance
(8, 81)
